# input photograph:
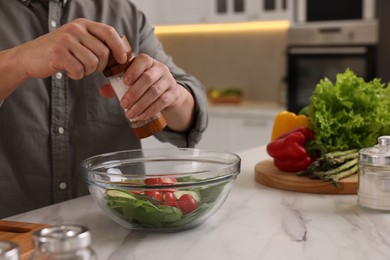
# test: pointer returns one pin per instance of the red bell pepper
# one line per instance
(289, 151)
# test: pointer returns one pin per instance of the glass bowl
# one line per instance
(169, 189)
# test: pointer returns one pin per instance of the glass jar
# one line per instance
(63, 242)
(374, 175)
(9, 251)
(114, 73)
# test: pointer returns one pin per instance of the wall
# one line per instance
(254, 60)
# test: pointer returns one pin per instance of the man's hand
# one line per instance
(80, 48)
(153, 89)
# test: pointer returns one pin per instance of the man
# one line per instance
(53, 115)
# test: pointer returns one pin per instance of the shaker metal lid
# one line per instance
(62, 238)
(378, 155)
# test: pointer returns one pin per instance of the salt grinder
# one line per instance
(114, 73)
(63, 242)
(374, 175)
(9, 251)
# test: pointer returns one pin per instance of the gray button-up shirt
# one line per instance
(48, 126)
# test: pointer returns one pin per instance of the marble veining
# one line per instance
(255, 223)
(293, 223)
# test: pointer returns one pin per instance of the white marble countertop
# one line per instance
(256, 222)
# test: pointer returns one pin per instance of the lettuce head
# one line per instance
(350, 113)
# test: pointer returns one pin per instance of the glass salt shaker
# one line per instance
(63, 242)
(114, 73)
(9, 251)
(374, 175)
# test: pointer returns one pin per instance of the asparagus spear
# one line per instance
(333, 166)
(329, 161)
(336, 154)
(339, 169)
(336, 177)
(349, 156)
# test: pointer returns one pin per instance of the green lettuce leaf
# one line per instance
(349, 114)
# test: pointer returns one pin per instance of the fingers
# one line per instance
(88, 59)
(111, 38)
(80, 48)
(63, 60)
(98, 51)
(91, 43)
(141, 74)
(152, 88)
(155, 99)
(140, 65)
(76, 59)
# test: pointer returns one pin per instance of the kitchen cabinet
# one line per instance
(251, 10)
(233, 128)
(166, 12)
(228, 10)
(248, 131)
(273, 9)
(184, 11)
(237, 129)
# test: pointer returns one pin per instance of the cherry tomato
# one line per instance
(155, 194)
(187, 203)
(161, 180)
(170, 199)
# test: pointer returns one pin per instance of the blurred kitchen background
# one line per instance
(273, 51)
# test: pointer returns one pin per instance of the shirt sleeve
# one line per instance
(149, 44)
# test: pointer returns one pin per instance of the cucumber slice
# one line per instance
(120, 194)
(180, 193)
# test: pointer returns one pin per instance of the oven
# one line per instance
(316, 51)
(334, 10)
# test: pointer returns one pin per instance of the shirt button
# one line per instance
(61, 130)
(59, 75)
(53, 24)
(63, 185)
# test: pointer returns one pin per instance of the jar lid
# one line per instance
(378, 155)
(9, 250)
(62, 238)
(113, 67)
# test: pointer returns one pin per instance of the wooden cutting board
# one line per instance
(267, 174)
(21, 234)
